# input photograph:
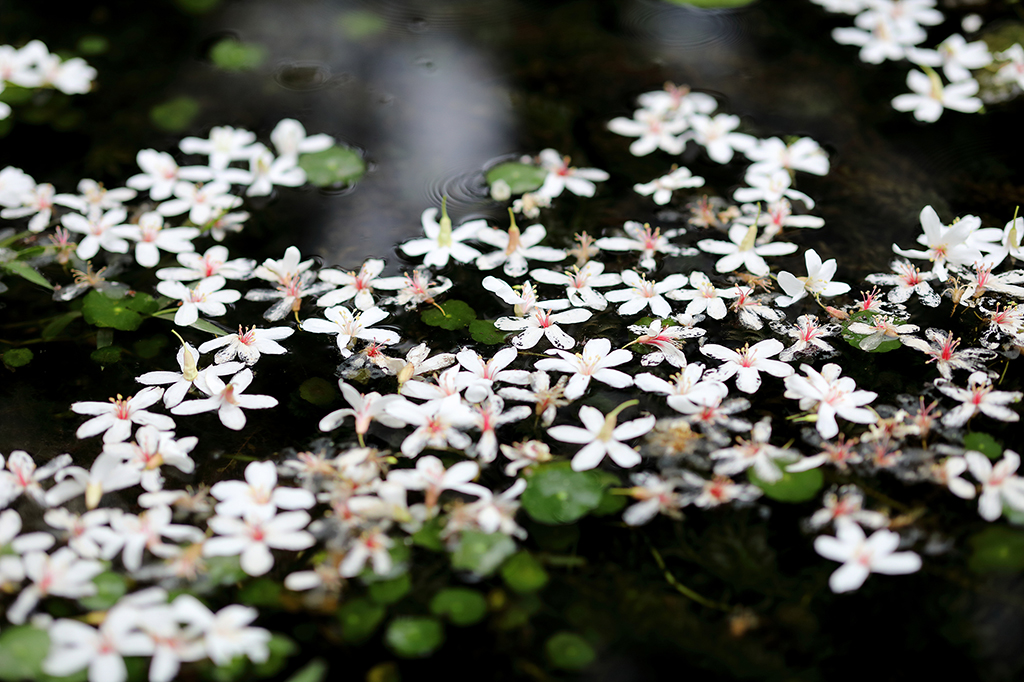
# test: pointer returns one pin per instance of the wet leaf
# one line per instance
(151, 347)
(390, 591)
(997, 549)
(22, 650)
(521, 177)
(93, 44)
(415, 637)
(17, 357)
(110, 587)
(314, 671)
(556, 494)
(569, 651)
(457, 314)
(484, 331)
(103, 311)
(482, 553)
(983, 443)
(523, 573)
(460, 605)
(854, 340)
(610, 502)
(54, 328)
(792, 487)
(334, 166)
(175, 115)
(200, 324)
(318, 391)
(261, 592)
(359, 618)
(280, 648)
(108, 355)
(26, 271)
(429, 536)
(234, 55)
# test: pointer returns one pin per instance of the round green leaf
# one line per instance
(523, 573)
(521, 177)
(93, 44)
(997, 549)
(429, 535)
(174, 115)
(390, 591)
(414, 637)
(22, 650)
(17, 357)
(482, 553)
(234, 55)
(854, 340)
(460, 605)
(484, 331)
(334, 166)
(108, 355)
(983, 443)
(457, 314)
(104, 311)
(792, 487)
(359, 618)
(610, 502)
(110, 587)
(318, 391)
(556, 494)
(569, 651)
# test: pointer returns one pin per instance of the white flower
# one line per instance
(441, 242)
(943, 351)
(547, 398)
(847, 506)
(1013, 70)
(743, 249)
(579, 283)
(830, 395)
(653, 130)
(645, 240)
(248, 344)
(365, 408)
(74, 645)
(413, 289)
(225, 144)
(747, 363)
(106, 231)
(31, 200)
(109, 472)
(152, 237)
(930, 97)
(773, 154)
(515, 248)
(480, 377)
(1000, 483)
(704, 297)
(181, 382)
(684, 387)
(207, 297)
(907, 280)
(750, 309)
(525, 454)
(131, 535)
(809, 337)
(776, 216)
(153, 449)
(541, 322)
(373, 545)
(561, 176)
(882, 328)
(769, 186)
(22, 476)
(255, 535)
(213, 262)
(643, 293)
(663, 187)
(862, 556)
(595, 362)
(290, 139)
(655, 495)
(353, 285)
(602, 437)
(979, 396)
(349, 327)
(666, 339)
(818, 281)
(202, 202)
(265, 171)
(432, 478)
(757, 453)
(487, 416)
(228, 400)
(959, 56)
(259, 494)
(227, 633)
(437, 423)
(160, 173)
(114, 419)
(62, 574)
(718, 137)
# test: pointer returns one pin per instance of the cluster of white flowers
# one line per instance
(34, 66)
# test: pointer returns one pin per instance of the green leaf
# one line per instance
(334, 166)
(792, 487)
(997, 549)
(415, 637)
(359, 618)
(983, 443)
(390, 591)
(261, 592)
(556, 494)
(569, 651)
(142, 303)
(108, 355)
(110, 587)
(103, 311)
(482, 553)
(151, 347)
(175, 115)
(521, 177)
(523, 573)
(234, 55)
(867, 317)
(280, 648)
(484, 331)
(610, 502)
(400, 554)
(16, 94)
(457, 314)
(200, 324)
(314, 671)
(429, 536)
(93, 44)
(26, 271)
(58, 325)
(224, 570)
(460, 605)
(22, 650)
(17, 357)
(318, 391)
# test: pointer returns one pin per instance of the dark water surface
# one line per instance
(434, 91)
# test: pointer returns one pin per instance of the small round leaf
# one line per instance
(414, 637)
(521, 177)
(359, 618)
(460, 605)
(523, 573)
(556, 494)
(334, 166)
(17, 357)
(457, 314)
(569, 651)
(792, 487)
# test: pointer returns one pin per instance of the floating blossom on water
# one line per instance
(515, 248)
(666, 340)
(845, 506)
(487, 416)
(1000, 483)
(107, 231)
(259, 494)
(414, 289)
(942, 350)
(291, 294)
(643, 293)
(818, 281)
(595, 362)
(290, 140)
(742, 249)
(653, 130)
(365, 408)
(707, 409)
(541, 322)
(704, 297)
(212, 263)
(547, 398)
(747, 363)
(662, 188)
(22, 476)
(719, 490)
(153, 449)
(655, 495)
(181, 382)
(830, 395)
(809, 335)
(417, 362)
(480, 377)
(525, 454)
(982, 281)
(959, 57)
(160, 173)
(265, 171)
(438, 423)
(152, 237)
(978, 397)
(718, 137)
(441, 242)
(772, 154)
(284, 270)
(685, 386)
(930, 97)
(254, 536)
(248, 344)
(114, 419)
(775, 216)
(757, 453)
(842, 453)
(603, 438)
(432, 478)
(946, 244)
(225, 144)
(862, 556)
(32, 200)
(1013, 70)
(349, 327)
(207, 297)
(579, 283)
(201, 202)
(907, 280)
(751, 309)
(769, 186)
(228, 400)
(882, 328)
(358, 286)
(61, 574)
(562, 176)
(646, 240)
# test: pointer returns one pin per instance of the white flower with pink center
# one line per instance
(830, 395)
(595, 362)
(747, 363)
(114, 419)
